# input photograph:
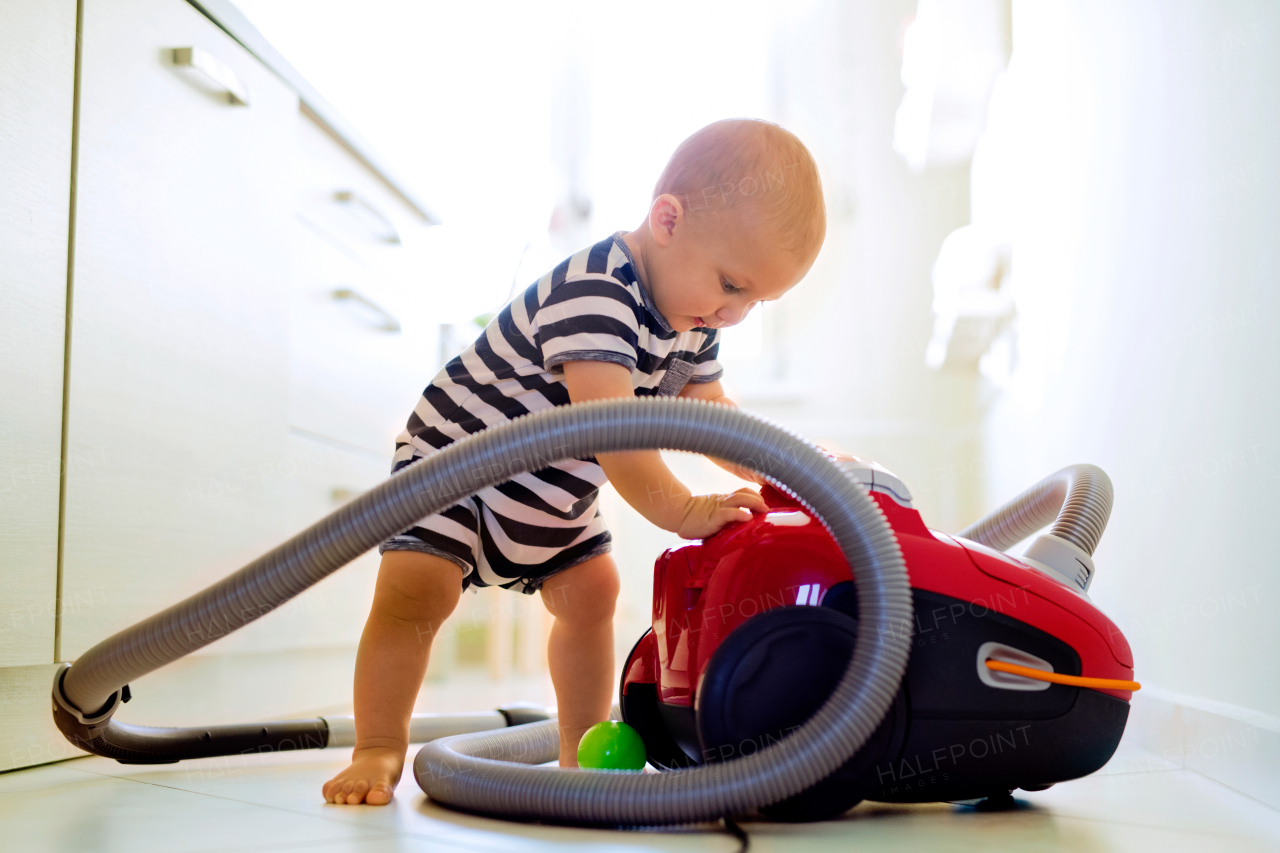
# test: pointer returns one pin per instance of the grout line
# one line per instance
(66, 333)
(1101, 775)
(1071, 813)
(1178, 830)
(397, 832)
(1233, 790)
(762, 827)
(403, 831)
(296, 845)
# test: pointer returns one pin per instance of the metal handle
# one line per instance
(387, 321)
(217, 73)
(372, 218)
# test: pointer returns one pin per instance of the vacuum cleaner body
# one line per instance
(753, 628)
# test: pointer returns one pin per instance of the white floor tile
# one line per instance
(292, 781)
(88, 811)
(952, 829)
(1181, 800)
(1139, 801)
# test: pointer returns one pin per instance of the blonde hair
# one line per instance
(737, 164)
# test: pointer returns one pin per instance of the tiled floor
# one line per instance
(1138, 802)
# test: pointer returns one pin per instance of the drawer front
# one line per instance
(318, 477)
(356, 368)
(362, 345)
(178, 390)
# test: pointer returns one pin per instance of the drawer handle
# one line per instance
(378, 224)
(217, 73)
(386, 321)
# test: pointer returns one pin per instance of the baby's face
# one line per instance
(713, 272)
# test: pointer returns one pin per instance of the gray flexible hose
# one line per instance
(491, 772)
(1076, 499)
(480, 783)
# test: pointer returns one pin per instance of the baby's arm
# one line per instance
(713, 392)
(642, 478)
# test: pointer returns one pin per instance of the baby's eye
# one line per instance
(727, 287)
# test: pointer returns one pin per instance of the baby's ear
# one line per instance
(665, 215)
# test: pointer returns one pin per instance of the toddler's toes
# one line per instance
(370, 778)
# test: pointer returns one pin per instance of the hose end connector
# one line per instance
(99, 716)
(1061, 560)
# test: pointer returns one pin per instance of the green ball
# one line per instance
(611, 746)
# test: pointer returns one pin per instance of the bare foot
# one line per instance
(371, 778)
(569, 739)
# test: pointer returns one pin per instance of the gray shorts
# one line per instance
(498, 540)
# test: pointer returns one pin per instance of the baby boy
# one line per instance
(737, 219)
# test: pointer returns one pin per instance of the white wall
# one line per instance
(1145, 274)
(852, 335)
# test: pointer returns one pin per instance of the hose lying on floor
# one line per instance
(87, 693)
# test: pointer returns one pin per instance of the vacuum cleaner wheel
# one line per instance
(639, 704)
(766, 679)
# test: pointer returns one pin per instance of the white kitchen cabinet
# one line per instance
(362, 347)
(235, 258)
(180, 324)
(37, 78)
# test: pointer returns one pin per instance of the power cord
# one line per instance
(1059, 678)
(731, 827)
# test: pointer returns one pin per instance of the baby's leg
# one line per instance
(580, 652)
(414, 595)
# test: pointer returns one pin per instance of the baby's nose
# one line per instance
(731, 316)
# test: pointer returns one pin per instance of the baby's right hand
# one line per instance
(706, 514)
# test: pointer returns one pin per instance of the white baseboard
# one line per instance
(197, 690)
(1235, 746)
(235, 688)
(27, 733)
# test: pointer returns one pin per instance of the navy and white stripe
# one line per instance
(591, 307)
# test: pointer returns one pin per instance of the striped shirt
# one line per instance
(591, 307)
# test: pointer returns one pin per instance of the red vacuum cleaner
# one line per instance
(1016, 680)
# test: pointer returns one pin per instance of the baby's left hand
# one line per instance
(706, 514)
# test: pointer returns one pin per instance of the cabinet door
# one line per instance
(320, 476)
(37, 70)
(179, 367)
